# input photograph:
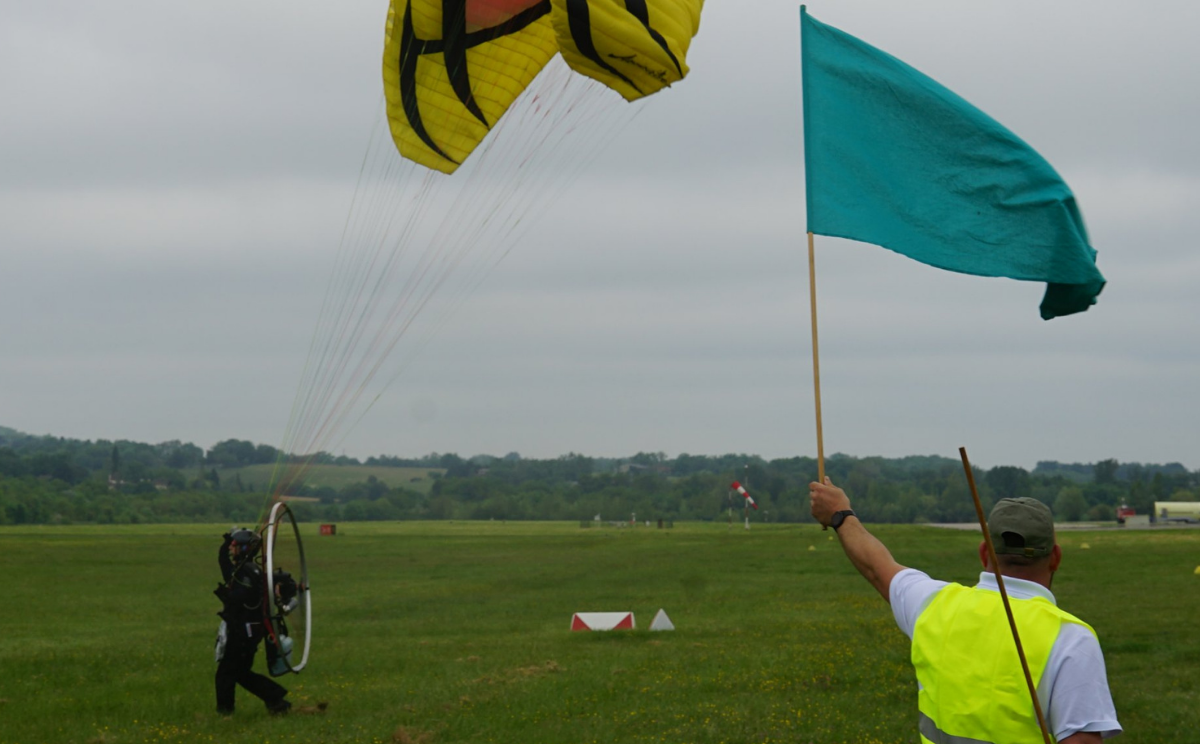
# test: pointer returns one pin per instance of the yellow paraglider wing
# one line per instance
(451, 68)
(635, 47)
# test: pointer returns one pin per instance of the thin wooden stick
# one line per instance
(812, 295)
(1012, 623)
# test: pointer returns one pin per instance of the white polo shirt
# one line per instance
(1073, 690)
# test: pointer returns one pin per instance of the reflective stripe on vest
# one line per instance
(972, 686)
(930, 732)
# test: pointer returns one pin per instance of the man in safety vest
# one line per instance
(971, 686)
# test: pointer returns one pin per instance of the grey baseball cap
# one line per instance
(1022, 526)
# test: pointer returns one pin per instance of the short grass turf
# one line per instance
(458, 632)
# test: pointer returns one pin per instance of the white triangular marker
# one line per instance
(662, 622)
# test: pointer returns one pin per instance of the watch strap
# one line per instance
(840, 516)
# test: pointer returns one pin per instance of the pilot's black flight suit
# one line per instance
(242, 595)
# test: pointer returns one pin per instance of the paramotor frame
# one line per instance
(277, 606)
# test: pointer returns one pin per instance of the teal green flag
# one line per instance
(896, 159)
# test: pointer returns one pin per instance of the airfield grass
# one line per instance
(439, 632)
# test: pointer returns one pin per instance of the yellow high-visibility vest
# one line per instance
(972, 688)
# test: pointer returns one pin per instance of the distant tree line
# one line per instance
(56, 480)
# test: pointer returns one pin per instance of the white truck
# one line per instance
(1186, 512)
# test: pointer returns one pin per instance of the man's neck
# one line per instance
(1017, 586)
(1041, 577)
(1044, 578)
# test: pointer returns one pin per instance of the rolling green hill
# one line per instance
(256, 477)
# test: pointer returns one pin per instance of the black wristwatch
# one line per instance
(838, 517)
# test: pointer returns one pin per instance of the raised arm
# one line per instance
(869, 556)
(223, 559)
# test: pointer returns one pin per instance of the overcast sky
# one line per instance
(174, 180)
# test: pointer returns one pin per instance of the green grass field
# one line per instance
(338, 476)
(438, 632)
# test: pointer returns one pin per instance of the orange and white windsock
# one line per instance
(740, 489)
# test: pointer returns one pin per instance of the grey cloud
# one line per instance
(176, 179)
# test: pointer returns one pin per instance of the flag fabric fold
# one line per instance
(894, 158)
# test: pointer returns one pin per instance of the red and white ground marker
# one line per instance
(602, 621)
(662, 622)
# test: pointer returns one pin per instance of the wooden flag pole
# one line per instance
(1012, 623)
(812, 295)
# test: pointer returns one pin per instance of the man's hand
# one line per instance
(826, 499)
